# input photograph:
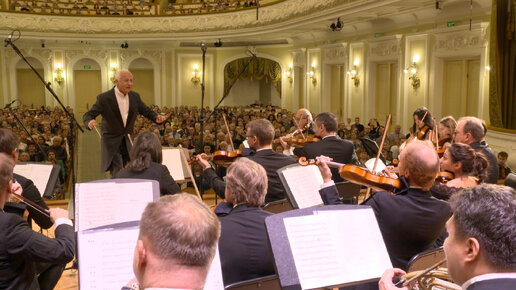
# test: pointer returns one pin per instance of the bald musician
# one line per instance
(412, 220)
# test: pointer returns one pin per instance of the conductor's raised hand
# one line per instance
(162, 118)
(92, 124)
(323, 167)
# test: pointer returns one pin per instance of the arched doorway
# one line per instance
(31, 91)
(260, 82)
(143, 79)
(87, 82)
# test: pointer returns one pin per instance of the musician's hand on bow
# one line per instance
(202, 159)
(390, 171)
(15, 189)
(386, 282)
(56, 213)
(92, 124)
(283, 141)
(323, 167)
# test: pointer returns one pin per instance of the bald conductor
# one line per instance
(119, 108)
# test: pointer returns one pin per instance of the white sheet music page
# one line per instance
(106, 257)
(38, 173)
(104, 203)
(304, 183)
(337, 247)
(172, 160)
(214, 279)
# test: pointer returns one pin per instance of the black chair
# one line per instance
(268, 282)
(426, 259)
(510, 180)
(278, 206)
(348, 192)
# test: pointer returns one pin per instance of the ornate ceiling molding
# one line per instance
(166, 25)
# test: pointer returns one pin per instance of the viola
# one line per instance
(361, 176)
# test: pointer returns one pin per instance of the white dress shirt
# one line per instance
(123, 104)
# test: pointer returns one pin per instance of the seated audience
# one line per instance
(146, 158)
(482, 242)
(503, 169)
(177, 242)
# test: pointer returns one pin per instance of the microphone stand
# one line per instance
(27, 131)
(73, 122)
(201, 115)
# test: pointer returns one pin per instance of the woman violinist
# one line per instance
(468, 167)
(446, 129)
(423, 123)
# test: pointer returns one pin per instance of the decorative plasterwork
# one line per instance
(126, 57)
(388, 49)
(72, 55)
(167, 24)
(460, 41)
(335, 53)
(43, 55)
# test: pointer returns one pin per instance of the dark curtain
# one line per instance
(502, 58)
(260, 69)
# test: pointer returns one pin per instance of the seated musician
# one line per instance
(260, 134)
(461, 160)
(146, 158)
(447, 126)
(244, 248)
(331, 145)
(482, 242)
(25, 253)
(423, 123)
(9, 146)
(412, 220)
(176, 245)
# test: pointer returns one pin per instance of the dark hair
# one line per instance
(472, 162)
(329, 120)
(420, 113)
(486, 212)
(146, 149)
(503, 154)
(262, 129)
(8, 141)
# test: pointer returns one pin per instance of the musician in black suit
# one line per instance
(119, 108)
(9, 146)
(482, 240)
(471, 131)
(331, 145)
(25, 253)
(412, 220)
(146, 158)
(260, 134)
(244, 248)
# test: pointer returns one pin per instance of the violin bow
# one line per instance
(183, 156)
(31, 204)
(379, 151)
(436, 135)
(300, 130)
(229, 133)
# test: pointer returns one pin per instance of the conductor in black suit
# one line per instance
(119, 108)
(28, 259)
(260, 134)
(331, 145)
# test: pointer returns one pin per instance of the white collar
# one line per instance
(489, 276)
(118, 93)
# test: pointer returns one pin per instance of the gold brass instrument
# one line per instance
(434, 277)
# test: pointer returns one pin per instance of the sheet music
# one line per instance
(38, 173)
(214, 279)
(304, 182)
(106, 257)
(336, 247)
(173, 161)
(105, 203)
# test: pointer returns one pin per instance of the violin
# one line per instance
(422, 132)
(358, 175)
(301, 142)
(221, 157)
(445, 176)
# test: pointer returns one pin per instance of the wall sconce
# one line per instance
(488, 68)
(311, 73)
(412, 71)
(354, 73)
(112, 72)
(196, 74)
(289, 72)
(59, 74)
